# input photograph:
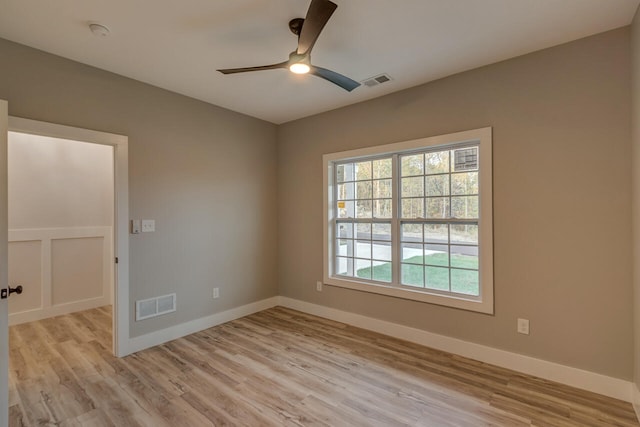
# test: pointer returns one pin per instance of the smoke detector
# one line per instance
(98, 30)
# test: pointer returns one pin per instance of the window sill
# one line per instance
(460, 302)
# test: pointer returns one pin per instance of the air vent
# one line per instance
(156, 306)
(377, 80)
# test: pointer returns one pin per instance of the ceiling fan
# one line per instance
(308, 30)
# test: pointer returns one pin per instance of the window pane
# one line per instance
(436, 255)
(412, 165)
(344, 172)
(436, 233)
(464, 256)
(413, 187)
(464, 183)
(363, 170)
(464, 233)
(412, 275)
(346, 209)
(382, 189)
(363, 268)
(437, 185)
(344, 266)
(438, 207)
(363, 249)
(412, 208)
(464, 207)
(363, 209)
(345, 247)
(346, 191)
(382, 231)
(382, 168)
(437, 162)
(345, 231)
(412, 232)
(412, 253)
(465, 282)
(382, 272)
(364, 231)
(437, 278)
(382, 209)
(363, 190)
(381, 251)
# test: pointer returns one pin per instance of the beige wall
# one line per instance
(205, 174)
(561, 167)
(635, 160)
(59, 183)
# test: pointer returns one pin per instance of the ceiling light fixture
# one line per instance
(98, 30)
(299, 68)
(299, 64)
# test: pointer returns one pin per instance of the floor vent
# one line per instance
(152, 307)
(377, 80)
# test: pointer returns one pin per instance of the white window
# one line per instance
(413, 220)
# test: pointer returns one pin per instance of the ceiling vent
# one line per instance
(377, 80)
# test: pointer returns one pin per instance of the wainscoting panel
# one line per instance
(62, 270)
(26, 269)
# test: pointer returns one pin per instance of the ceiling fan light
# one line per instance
(299, 68)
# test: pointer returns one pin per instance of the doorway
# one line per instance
(61, 209)
(61, 247)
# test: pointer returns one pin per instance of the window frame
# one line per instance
(484, 303)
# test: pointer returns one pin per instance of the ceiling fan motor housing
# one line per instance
(295, 25)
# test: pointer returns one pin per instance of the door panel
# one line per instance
(4, 310)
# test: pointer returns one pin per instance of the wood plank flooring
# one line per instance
(278, 367)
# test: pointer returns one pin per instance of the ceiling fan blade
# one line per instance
(317, 16)
(261, 68)
(343, 81)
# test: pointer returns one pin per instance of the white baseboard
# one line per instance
(586, 380)
(159, 337)
(58, 310)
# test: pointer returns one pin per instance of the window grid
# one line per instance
(449, 248)
(347, 264)
(365, 244)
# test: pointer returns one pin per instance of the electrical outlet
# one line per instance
(319, 286)
(216, 293)
(523, 326)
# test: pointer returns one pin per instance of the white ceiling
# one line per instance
(178, 45)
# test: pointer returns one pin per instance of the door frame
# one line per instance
(121, 212)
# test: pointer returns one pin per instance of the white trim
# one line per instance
(120, 146)
(482, 303)
(47, 235)
(56, 310)
(178, 331)
(586, 380)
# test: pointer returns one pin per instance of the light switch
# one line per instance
(148, 225)
(135, 226)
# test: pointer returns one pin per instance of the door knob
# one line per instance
(4, 293)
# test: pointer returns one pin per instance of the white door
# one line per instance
(4, 310)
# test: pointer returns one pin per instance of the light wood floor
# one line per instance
(277, 367)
